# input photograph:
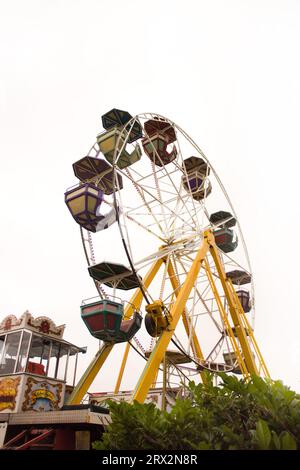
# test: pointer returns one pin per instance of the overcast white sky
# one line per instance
(226, 71)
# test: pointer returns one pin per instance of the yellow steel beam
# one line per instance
(251, 334)
(136, 300)
(233, 309)
(228, 329)
(121, 372)
(89, 375)
(135, 303)
(153, 363)
(191, 333)
(155, 380)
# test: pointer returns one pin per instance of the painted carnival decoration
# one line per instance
(8, 393)
(41, 395)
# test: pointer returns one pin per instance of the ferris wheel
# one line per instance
(165, 250)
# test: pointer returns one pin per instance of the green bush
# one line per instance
(258, 414)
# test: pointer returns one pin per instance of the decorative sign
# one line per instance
(41, 395)
(41, 324)
(8, 393)
(9, 322)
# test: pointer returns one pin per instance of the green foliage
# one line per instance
(258, 414)
(262, 435)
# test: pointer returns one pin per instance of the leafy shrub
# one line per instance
(258, 414)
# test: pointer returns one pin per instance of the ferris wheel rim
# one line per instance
(198, 149)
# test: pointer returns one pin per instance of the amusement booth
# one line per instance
(37, 374)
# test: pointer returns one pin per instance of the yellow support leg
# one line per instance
(136, 300)
(191, 333)
(88, 377)
(233, 309)
(225, 320)
(154, 361)
(250, 332)
(155, 380)
(120, 376)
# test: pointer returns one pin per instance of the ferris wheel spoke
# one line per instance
(212, 356)
(163, 253)
(162, 190)
(151, 208)
(176, 214)
(183, 169)
(146, 228)
(231, 262)
(163, 283)
(184, 211)
(193, 222)
(165, 170)
(160, 197)
(141, 192)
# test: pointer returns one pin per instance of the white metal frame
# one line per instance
(163, 205)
